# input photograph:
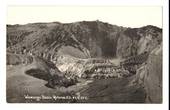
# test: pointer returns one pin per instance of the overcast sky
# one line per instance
(122, 16)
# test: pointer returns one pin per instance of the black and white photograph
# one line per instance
(59, 54)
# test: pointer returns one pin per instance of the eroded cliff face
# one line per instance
(138, 40)
(153, 80)
(87, 39)
(124, 46)
(70, 49)
(149, 75)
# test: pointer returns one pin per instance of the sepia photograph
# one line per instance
(84, 54)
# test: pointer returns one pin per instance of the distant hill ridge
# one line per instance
(87, 39)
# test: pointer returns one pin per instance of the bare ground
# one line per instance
(110, 90)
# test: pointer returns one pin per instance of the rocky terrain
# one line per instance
(149, 75)
(123, 64)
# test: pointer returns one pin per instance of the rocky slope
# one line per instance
(153, 79)
(72, 49)
(149, 75)
(86, 39)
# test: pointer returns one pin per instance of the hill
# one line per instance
(87, 39)
(105, 63)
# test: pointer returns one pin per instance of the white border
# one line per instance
(6, 106)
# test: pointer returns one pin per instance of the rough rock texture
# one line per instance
(70, 65)
(113, 91)
(124, 46)
(149, 75)
(138, 40)
(14, 59)
(153, 79)
(60, 49)
(87, 39)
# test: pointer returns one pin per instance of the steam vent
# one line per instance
(83, 62)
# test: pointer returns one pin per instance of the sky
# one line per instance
(127, 16)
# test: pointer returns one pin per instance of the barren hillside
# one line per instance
(101, 62)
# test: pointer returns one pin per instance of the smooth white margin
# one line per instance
(5, 106)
